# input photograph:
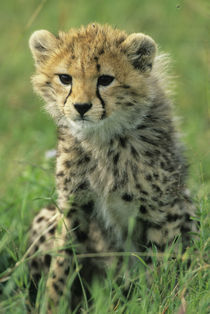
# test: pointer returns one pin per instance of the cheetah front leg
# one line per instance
(75, 206)
(71, 238)
(58, 238)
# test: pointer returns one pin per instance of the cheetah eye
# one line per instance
(105, 80)
(65, 79)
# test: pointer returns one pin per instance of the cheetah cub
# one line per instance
(119, 158)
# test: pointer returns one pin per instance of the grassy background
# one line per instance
(26, 132)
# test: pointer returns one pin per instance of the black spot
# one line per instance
(138, 186)
(33, 288)
(187, 217)
(143, 209)
(42, 239)
(122, 141)
(36, 277)
(52, 231)
(67, 164)
(96, 58)
(81, 236)
(60, 174)
(149, 177)
(84, 159)
(82, 186)
(144, 192)
(101, 51)
(71, 212)
(141, 127)
(185, 229)
(76, 224)
(174, 217)
(148, 260)
(98, 67)
(34, 264)
(47, 260)
(88, 207)
(127, 197)
(116, 158)
(69, 251)
(61, 280)
(57, 289)
(87, 158)
(40, 219)
(36, 248)
(66, 272)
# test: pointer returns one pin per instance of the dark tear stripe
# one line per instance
(102, 102)
(68, 95)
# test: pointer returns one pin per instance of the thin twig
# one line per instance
(35, 14)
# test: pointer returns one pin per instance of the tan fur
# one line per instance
(118, 158)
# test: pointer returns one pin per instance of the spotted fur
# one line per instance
(118, 155)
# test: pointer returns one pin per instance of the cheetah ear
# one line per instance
(140, 50)
(42, 43)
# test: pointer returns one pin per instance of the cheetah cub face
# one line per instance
(94, 77)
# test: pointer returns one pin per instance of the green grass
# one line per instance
(26, 133)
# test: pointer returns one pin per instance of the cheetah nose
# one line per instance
(82, 108)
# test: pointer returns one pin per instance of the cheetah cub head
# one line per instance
(95, 77)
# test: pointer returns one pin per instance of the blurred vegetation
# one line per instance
(179, 27)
